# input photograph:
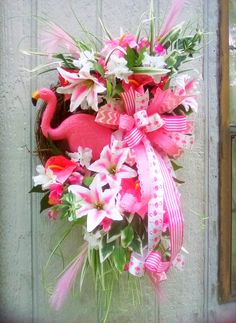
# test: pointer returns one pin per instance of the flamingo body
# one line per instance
(77, 130)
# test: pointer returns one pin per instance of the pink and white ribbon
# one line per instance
(143, 133)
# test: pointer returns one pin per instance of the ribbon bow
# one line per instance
(144, 133)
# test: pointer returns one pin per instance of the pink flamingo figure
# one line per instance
(77, 130)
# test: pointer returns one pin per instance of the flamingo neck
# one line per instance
(48, 115)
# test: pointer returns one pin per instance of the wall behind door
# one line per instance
(27, 237)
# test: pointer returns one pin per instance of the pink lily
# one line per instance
(111, 166)
(96, 203)
(81, 86)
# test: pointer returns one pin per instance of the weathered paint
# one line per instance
(27, 237)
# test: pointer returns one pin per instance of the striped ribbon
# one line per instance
(164, 195)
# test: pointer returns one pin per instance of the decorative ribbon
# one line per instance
(143, 133)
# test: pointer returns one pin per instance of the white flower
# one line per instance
(153, 61)
(85, 61)
(82, 86)
(83, 156)
(45, 177)
(117, 67)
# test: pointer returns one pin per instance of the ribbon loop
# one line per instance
(141, 118)
(134, 137)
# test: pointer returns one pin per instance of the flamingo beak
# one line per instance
(35, 97)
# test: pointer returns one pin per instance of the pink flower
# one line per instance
(75, 178)
(61, 167)
(82, 87)
(96, 204)
(56, 191)
(160, 49)
(143, 43)
(124, 41)
(106, 224)
(111, 166)
(137, 82)
(130, 199)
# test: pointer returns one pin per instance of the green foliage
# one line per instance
(171, 36)
(87, 181)
(67, 61)
(37, 189)
(117, 90)
(105, 250)
(133, 58)
(178, 181)
(189, 44)
(44, 203)
(115, 231)
(175, 165)
(119, 258)
(136, 244)
(53, 149)
(69, 207)
(98, 68)
(127, 236)
(109, 89)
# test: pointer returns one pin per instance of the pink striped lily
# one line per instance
(111, 166)
(82, 86)
(96, 203)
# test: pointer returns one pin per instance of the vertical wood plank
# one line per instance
(184, 292)
(46, 234)
(15, 225)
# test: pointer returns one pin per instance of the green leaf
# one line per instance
(97, 67)
(119, 258)
(118, 89)
(106, 250)
(175, 166)
(115, 231)
(67, 61)
(127, 236)
(178, 181)
(171, 36)
(130, 57)
(37, 189)
(53, 148)
(152, 28)
(88, 180)
(150, 70)
(44, 203)
(141, 56)
(82, 45)
(109, 89)
(136, 244)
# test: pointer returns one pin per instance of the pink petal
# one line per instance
(127, 172)
(81, 192)
(78, 95)
(71, 77)
(94, 218)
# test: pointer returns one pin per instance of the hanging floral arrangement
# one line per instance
(108, 135)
